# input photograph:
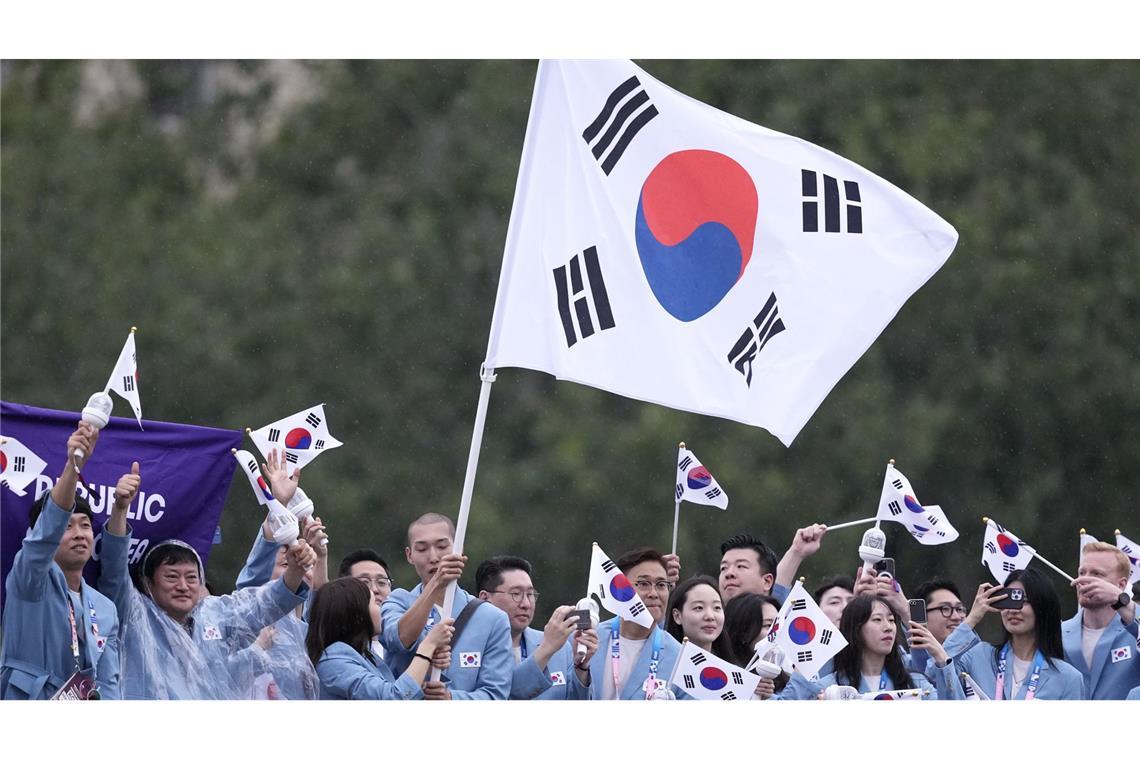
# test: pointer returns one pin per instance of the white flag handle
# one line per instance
(864, 521)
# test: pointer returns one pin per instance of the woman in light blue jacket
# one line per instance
(1029, 662)
(870, 662)
(344, 617)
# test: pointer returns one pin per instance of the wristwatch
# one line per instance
(1122, 601)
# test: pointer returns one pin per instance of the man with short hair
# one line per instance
(1100, 640)
(640, 660)
(546, 663)
(748, 565)
(370, 567)
(56, 627)
(944, 608)
(832, 596)
(177, 643)
(481, 663)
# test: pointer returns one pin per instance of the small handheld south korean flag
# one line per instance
(283, 523)
(19, 465)
(804, 633)
(703, 675)
(1131, 550)
(124, 378)
(695, 483)
(893, 694)
(1003, 552)
(898, 503)
(303, 435)
(614, 590)
(971, 689)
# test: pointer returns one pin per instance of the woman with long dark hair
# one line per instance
(747, 619)
(344, 617)
(870, 662)
(695, 610)
(1029, 662)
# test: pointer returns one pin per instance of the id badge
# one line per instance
(79, 687)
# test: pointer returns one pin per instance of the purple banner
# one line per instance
(186, 472)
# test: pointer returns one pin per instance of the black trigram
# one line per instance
(804, 656)
(313, 420)
(636, 609)
(274, 435)
(895, 509)
(632, 97)
(799, 604)
(941, 533)
(1009, 567)
(825, 637)
(728, 696)
(291, 457)
(128, 383)
(683, 465)
(831, 203)
(897, 484)
(712, 493)
(680, 491)
(932, 519)
(698, 658)
(574, 286)
(689, 682)
(251, 466)
(755, 337)
(737, 678)
(1126, 549)
(18, 464)
(990, 547)
(609, 566)
(320, 444)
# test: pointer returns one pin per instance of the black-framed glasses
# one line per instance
(643, 586)
(518, 594)
(948, 610)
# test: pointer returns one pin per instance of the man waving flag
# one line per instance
(667, 251)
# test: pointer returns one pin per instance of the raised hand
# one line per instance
(127, 487)
(283, 486)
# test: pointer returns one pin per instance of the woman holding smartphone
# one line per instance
(1029, 662)
(870, 662)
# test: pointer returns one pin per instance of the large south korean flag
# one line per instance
(670, 252)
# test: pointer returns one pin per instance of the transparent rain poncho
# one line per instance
(282, 669)
(163, 659)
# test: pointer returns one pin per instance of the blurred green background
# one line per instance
(286, 233)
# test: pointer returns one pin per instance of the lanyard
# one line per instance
(75, 630)
(615, 656)
(1031, 689)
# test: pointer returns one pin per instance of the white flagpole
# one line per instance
(890, 463)
(676, 520)
(849, 524)
(486, 377)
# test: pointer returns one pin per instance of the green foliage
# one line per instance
(332, 232)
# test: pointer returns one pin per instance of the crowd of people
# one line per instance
(290, 631)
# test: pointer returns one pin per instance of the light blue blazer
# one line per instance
(166, 660)
(1116, 662)
(487, 669)
(969, 654)
(632, 689)
(557, 681)
(37, 658)
(345, 673)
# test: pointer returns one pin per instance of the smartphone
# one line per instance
(917, 610)
(1015, 600)
(583, 618)
(885, 565)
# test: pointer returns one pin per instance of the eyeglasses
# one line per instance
(518, 594)
(378, 581)
(644, 586)
(948, 609)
